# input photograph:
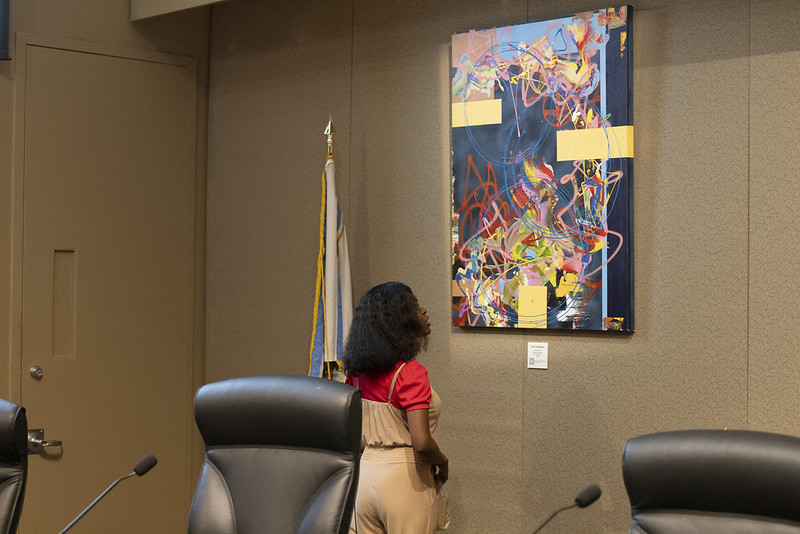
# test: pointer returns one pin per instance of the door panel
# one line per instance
(107, 287)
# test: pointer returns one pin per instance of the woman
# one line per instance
(401, 464)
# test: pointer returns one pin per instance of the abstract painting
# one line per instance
(542, 162)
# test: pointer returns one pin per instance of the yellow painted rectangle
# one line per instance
(477, 113)
(532, 310)
(594, 143)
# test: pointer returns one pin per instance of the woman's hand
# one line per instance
(441, 471)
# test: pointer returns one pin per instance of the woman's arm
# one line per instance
(424, 444)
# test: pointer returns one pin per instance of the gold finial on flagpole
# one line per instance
(329, 132)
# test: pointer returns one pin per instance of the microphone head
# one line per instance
(146, 464)
(587, 496)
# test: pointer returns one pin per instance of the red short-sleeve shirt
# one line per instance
(412, 390)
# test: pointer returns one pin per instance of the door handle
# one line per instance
(37, 443)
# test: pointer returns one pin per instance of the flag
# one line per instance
(333, 311)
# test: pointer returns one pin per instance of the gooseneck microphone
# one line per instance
(586, 497)
(144, 465)
(148, 462)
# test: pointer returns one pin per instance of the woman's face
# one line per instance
(424, 321)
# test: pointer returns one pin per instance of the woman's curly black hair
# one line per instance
(385, 329)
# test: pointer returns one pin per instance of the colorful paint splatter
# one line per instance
(542, 140)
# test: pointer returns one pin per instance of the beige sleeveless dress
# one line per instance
(396, 490)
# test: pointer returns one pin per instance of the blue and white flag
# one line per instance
(333, 312)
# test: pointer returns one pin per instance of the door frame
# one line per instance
(194, 355)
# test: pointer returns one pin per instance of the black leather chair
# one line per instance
(13, 464)
(713, 481)
(282, 456)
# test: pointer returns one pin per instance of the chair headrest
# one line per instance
(727, 471)
(288, 411)
(13, 432)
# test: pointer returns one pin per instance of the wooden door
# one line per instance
(107, 169)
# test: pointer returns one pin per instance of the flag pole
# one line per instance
(330, 133)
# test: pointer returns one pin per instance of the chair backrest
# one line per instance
(13, 464)
(711, 481)
(282, 456)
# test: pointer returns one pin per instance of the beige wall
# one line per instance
(105, 22)
(715, 87)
